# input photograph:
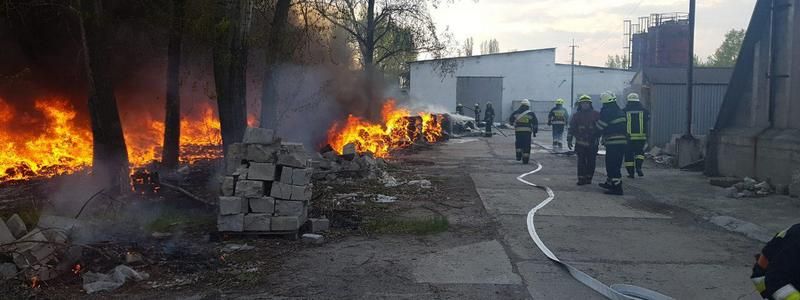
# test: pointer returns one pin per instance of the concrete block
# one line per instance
(58, 229)
(27, 253)
(228, 186)
(301, 192)
(286, 175)
(233, 223)
(290, 208)
(16, 226)
(320, 225)
(302, 176)
(249, 188)
(283, 223)
(349, 151)
(231, 165)
(262, 205)
(255, 135)
(5, 234)
(281, 191)
(293, 160)
(261, 153)
(231, 205)
(261, 171)
(236, 150)
(257, 222)
(313, 238)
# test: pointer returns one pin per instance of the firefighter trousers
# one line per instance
(615, 153)
(558, 134)
(523, 145)
(587, 160)
(488, 132)
(634, 156)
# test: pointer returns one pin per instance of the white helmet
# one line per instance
(526, 102)
(633, 97)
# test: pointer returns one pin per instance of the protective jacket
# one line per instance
(638, 121)
(524, 120)
(611, 125)
(558, 116)
(776, 273)
(583, 127)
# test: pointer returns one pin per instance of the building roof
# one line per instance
(595, 67)
(482, 55)
(702, 75)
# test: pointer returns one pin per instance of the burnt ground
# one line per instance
(371, 251)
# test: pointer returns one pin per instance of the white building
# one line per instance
(504, 77)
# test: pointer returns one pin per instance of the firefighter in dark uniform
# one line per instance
(558, 119)
(638, 122)
(460, 109)
(615, 138)
(488, 118)
(776, 273)
(583, 128)
(477, 111)
(525, 124)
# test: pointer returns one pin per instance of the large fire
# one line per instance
(399, 129)
(64, 145)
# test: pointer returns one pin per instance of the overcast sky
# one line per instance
(596, 25)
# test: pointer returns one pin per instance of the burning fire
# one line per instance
(399, 129)
(64, 146)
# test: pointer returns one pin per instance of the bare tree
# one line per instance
(275, 50)
(172, 119)
(110, 155)
(490, 46)
(232, 25)
(369, 24)
(468, 46)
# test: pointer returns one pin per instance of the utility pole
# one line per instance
(572, 78)
(690, 71)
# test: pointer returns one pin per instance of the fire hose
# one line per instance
(615, 291)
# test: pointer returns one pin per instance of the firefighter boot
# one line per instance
(606, 185)
(615, 189)
(640, 173)
(519, 154)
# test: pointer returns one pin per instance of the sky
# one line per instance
(596, 25)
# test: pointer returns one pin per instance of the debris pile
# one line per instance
(661, 157)
(749, 188)
(41, 253)
(267, 187)
(329, 165)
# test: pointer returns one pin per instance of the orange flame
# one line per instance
(35, 282)
(396, 131)
(65, 147)
(76, 269)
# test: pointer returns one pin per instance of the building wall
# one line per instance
(526, 74)
(667, 104)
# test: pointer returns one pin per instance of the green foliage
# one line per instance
(726, 54)
(417, 226)
(618, 62)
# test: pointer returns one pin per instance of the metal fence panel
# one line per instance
(668, 110)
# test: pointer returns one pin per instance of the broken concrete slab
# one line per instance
(257, 222)
(261, 171)
(301, 192)
(36, 251)
(293, 160)
(249, 188)
(262, 205)
(255, 135)
(319, 224)
(723, 181)
(302, 176)
(261, 153)
(5, 234)
(290, 208)
(16, 226)
(58, 222)
(285, 223)
(349, 151)
(234, 223)
(228, 186)
(286, 175)
(236, 150)
(281, 191)
(331, 156)
(231, 205)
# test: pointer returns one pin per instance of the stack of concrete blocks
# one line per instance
(267, 186)
(39, 251)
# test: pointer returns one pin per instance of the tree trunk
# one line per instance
(172, 119)
(230, 63)
(369, 47)
(110, 160)
(276, 50)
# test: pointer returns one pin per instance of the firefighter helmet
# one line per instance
(633, 97)
(608, 97)
(560, 101)
(488, 103)
(525, 102)
(585, 98)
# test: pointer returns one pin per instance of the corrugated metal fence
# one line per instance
(668, 110)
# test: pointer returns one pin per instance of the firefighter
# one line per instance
(583, 128)
(638, 122)
(558, 119)
(460, 109)
(477, 111)
(776, 273)
(525, 124)
(611, 126)
(488, 118)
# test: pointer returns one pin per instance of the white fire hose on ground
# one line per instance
(615, 291)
